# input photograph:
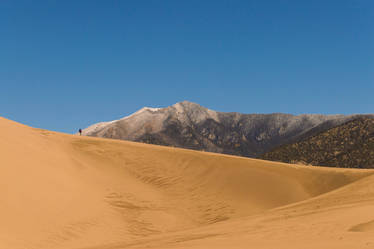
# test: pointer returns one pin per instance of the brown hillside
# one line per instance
(350, 145)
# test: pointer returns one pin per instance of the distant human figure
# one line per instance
(80, 132)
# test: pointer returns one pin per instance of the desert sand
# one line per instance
(75, 192)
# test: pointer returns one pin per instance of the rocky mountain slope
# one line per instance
(189, 125)
(349, 145)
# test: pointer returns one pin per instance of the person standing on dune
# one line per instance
(80, 132)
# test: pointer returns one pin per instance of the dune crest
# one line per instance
(65, 191)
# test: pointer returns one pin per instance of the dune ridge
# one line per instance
(66, 191)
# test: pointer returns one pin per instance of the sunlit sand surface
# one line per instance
(66, 191)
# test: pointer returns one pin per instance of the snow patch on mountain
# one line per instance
(144, 109)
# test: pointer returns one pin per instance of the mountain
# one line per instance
(189, 125)
(348, 145)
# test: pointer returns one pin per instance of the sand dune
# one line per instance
(65, 191)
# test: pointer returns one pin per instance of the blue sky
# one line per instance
(67, 64)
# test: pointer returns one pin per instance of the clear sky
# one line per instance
(67, 64)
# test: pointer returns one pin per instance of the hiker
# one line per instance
(80, 132)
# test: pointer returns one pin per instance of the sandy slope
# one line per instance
(64, 191)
